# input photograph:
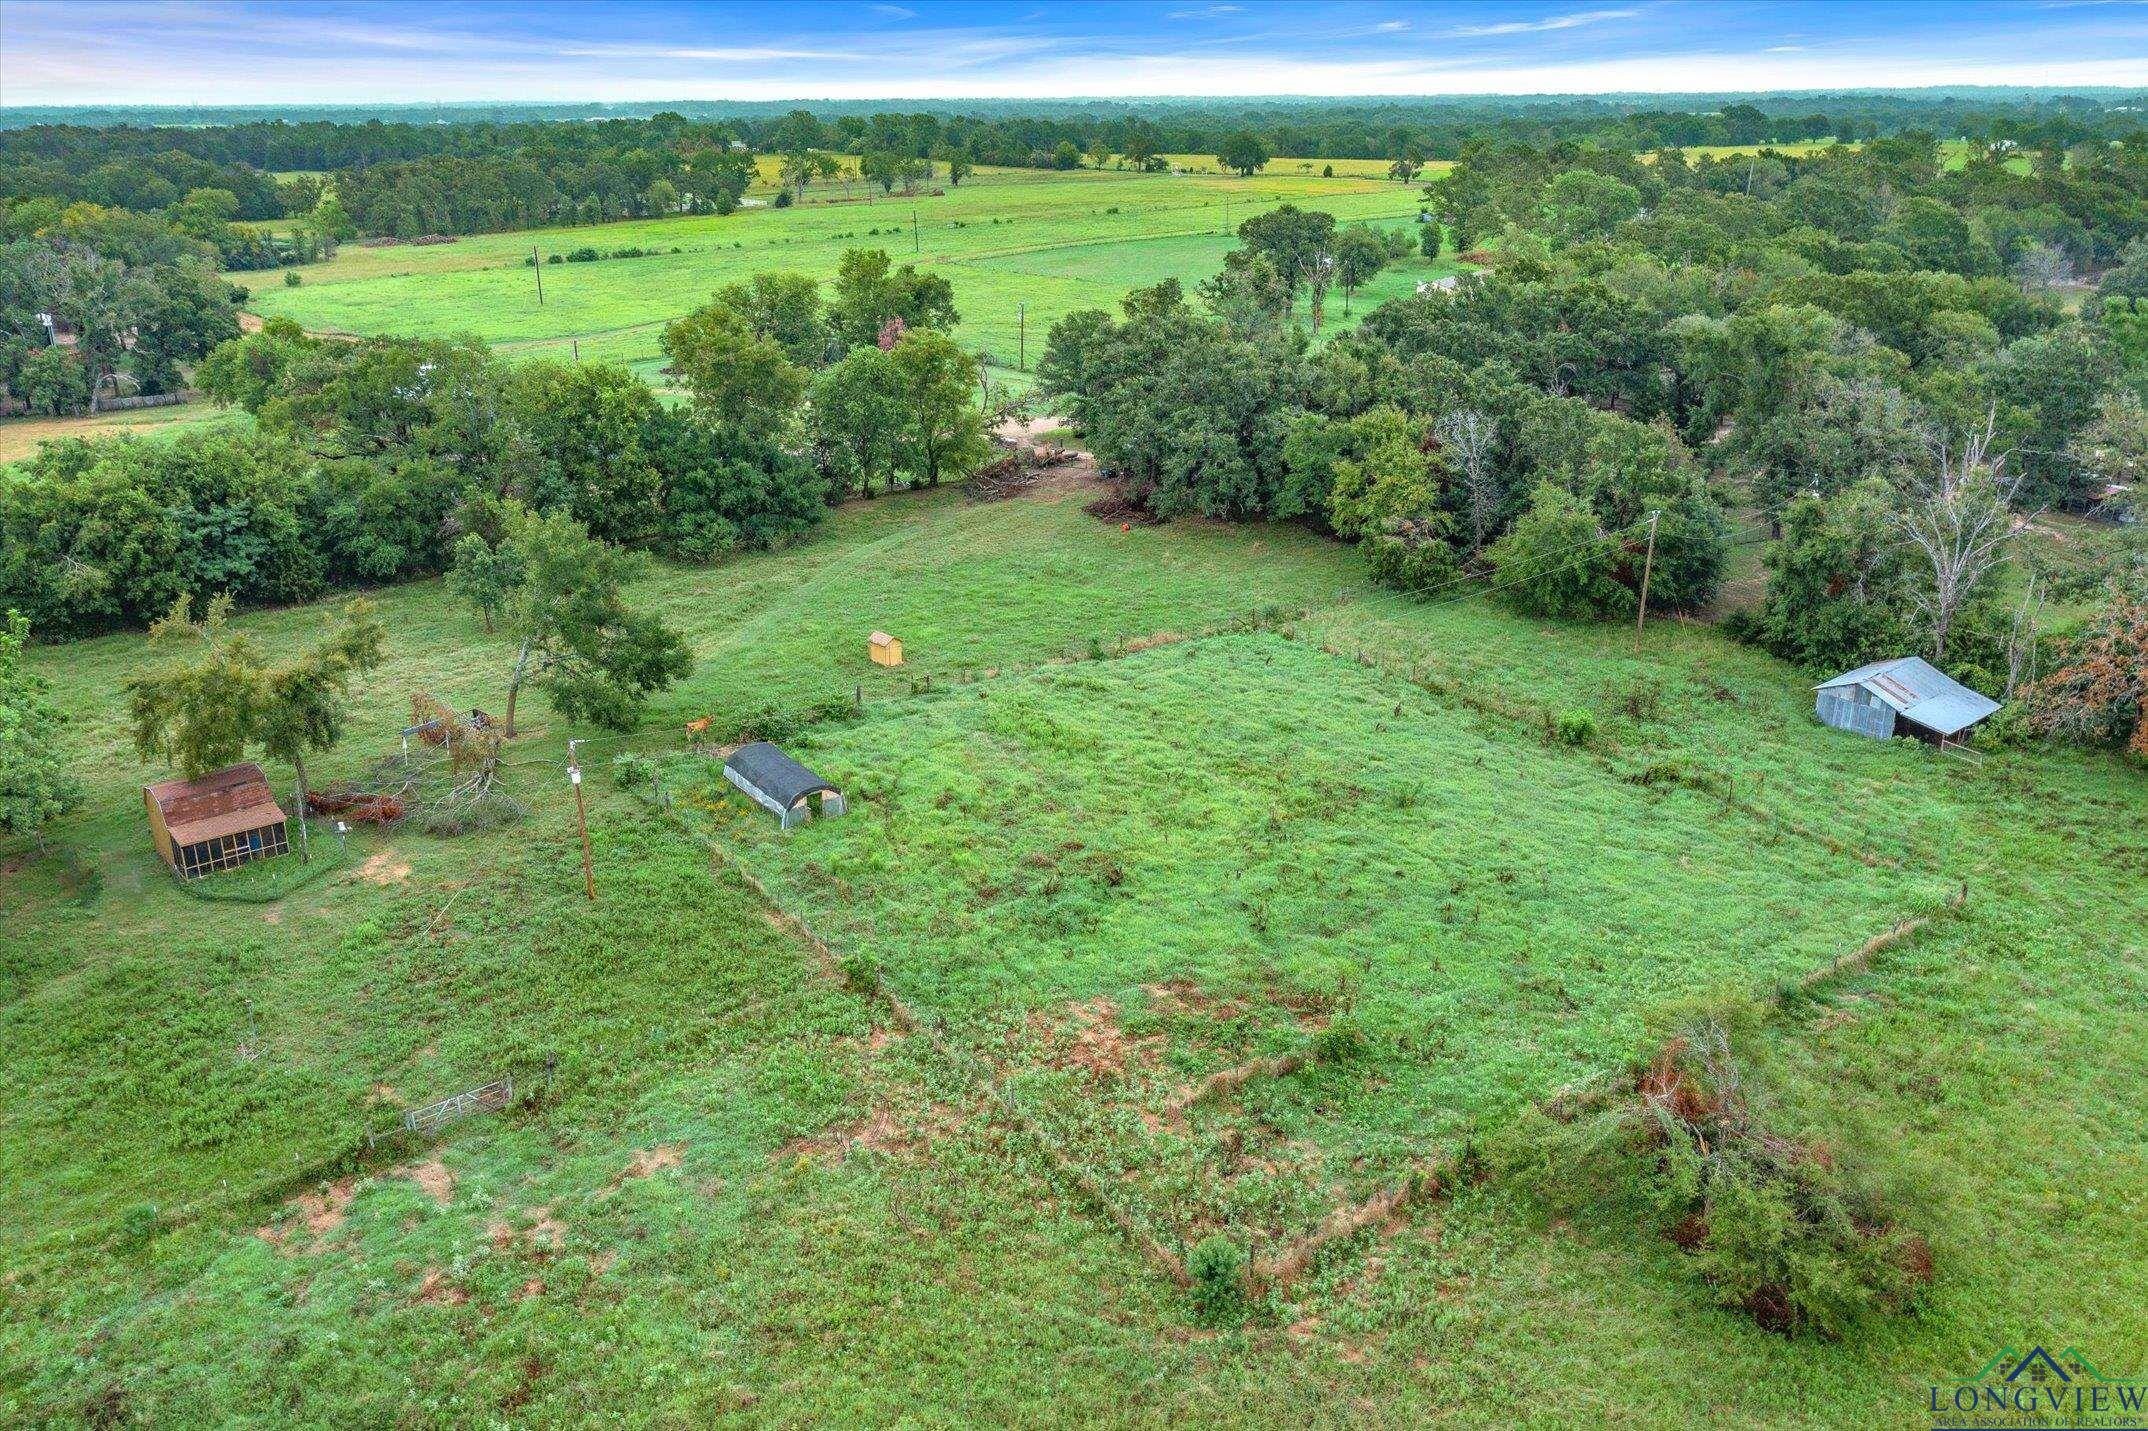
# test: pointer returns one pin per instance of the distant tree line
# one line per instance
(472, 175)
(378, 460)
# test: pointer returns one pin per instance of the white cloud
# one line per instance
(198, 51)
(735, 54)
(1550, 22)
(893, 12)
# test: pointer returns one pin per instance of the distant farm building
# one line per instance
(1905, 696)
(780, 784)
(884, 649)
(224, 818)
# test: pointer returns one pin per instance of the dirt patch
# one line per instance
(651, 1160)
(1183, 997)
(433, 1179)
(880, 1130)
(1151, 641)
(317, 1214)
(532, 1288)
(386, 867)
(1116, 509)
(1087, 1037)
(545, 1235)
(438, 1291)
(547, 1230)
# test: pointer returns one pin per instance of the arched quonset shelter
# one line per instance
(779, 783)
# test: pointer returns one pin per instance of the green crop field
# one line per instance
(1022, 248)
(1142, 805)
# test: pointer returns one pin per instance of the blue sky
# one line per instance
(329, 51)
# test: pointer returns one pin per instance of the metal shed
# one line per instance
(1905, 696)
(780, 784)
(224, 818)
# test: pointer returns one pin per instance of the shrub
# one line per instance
(1778, 1228)
(630, 771)
(1643, 700)
(1575, 728)
(860, 974)
(291, 278)
(1342, 1041)
(783, 198)
(1217, 1266)
(138, 1225)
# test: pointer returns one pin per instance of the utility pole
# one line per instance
(917, 243)
(1648, 567)
(537, 267)
(581, 817)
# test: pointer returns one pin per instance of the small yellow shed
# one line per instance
(885, 649)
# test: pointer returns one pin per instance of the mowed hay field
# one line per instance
(1010, 241)
(1171, 799)
(20, 437)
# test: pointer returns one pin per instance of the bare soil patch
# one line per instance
(651, 1160)
(433, 1179)
(438, 1291)
(1115, 508)
(385, 868)
(318, 1214)
(1087, 1037)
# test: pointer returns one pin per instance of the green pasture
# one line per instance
(1113, 862)
(1022, 249)
(21, 436)
(1253, 824)
(1283, 166)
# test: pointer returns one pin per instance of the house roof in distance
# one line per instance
(1919, 691)
(223, 802)
(774, 774)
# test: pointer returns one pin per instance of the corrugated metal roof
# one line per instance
(223, 802)
(1919, 691)
(774, 774)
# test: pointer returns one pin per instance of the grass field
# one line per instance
(21, 436)
(1012, 242)
(744, 1192)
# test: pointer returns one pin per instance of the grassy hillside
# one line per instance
(1011, 242)
(743, 1190)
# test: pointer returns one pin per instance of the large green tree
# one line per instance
(1558, 560)
(856, 419)
(942, 431)
(870, 292)
(210, 707)
(735, 374)
(1243, 151)
(575, 636)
